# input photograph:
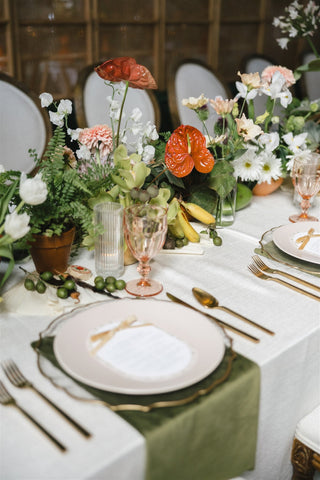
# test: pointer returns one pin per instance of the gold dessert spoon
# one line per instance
(209, 301)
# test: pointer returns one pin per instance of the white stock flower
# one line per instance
(283, 42)
(33, 190)
(56, 119)
(83, 153)
(17, 226)
(136, 114)
(74, 134)
(46, 99)
(151, 131)
(148, 153)
(269, 141)
(136, 129)
(276, 85)
(65, 107)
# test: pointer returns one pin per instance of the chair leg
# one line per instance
(301, 459)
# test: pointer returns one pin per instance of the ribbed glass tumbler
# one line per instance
(109, 245)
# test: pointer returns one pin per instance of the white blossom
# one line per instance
(247, 167)
(17, 226)
(136, 114)
(148, 153)
(269, 141)
(270, 167)
(65, 107)
(2, 169)
(83, 153)
(56, 119)
(46, 99)
(74, 134)
(33, 190)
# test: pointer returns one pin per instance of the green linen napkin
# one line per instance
(212, 438)
(270, 250)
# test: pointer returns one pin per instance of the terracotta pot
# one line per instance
(265, 188)
(52, 253)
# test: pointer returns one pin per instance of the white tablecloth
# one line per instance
(289, 362)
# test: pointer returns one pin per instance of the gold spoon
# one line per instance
(209, 301)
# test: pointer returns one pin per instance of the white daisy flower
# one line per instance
(247, 167)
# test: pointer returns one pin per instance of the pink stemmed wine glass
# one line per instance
(145, 228)
(306, 180)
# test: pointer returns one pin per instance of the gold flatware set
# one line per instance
(259, 267)
(17, 378)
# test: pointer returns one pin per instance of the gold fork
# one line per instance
(254, 269)
(7, 399)
(17, 378)
(260, 263)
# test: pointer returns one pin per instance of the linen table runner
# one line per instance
(212, 438)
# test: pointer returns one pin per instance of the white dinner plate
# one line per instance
(284, 238)
(204, 338)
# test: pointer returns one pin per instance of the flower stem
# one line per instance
(313, 48)
(121, 110)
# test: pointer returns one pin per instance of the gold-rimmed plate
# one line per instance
(204, 338)
(285, 238)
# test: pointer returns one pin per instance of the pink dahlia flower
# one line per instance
(97, 137)
(268, 73)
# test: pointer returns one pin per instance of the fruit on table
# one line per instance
(199, 213)
(189, 232)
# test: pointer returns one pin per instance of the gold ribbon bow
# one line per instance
(305, 239)
(104, 337)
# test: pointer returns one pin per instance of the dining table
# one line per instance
(288, 365)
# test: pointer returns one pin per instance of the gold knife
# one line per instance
(220, 322)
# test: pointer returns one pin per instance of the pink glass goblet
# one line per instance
(306, 181)
(145, 228)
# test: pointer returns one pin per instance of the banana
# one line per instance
(188, 230)
(199, 213)
(175, 229)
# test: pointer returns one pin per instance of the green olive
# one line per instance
(46, 276)
(217, 241)
(119, 284)
(98, 279)
(29, 284)
(100, 285)
(62, 292)
(40, 287)
(69, 284)
(110, 287)
(179, 243)
(110, 279)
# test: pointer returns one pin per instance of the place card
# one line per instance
(308, 243)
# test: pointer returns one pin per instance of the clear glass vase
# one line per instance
(226, 208)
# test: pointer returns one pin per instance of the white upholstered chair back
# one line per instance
(311, 80)
(24, 125)
(92, 106)
(190, 79)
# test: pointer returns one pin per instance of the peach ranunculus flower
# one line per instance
(97, 137)
(195, 103)
(247, 129)
(268, 73)
(222, 107)
(251, 80)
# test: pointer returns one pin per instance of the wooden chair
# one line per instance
(305, 454)
(90, 97)
(191, 78)
(24, 125)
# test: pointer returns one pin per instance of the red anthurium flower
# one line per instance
(126, 69)
(185, 149)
